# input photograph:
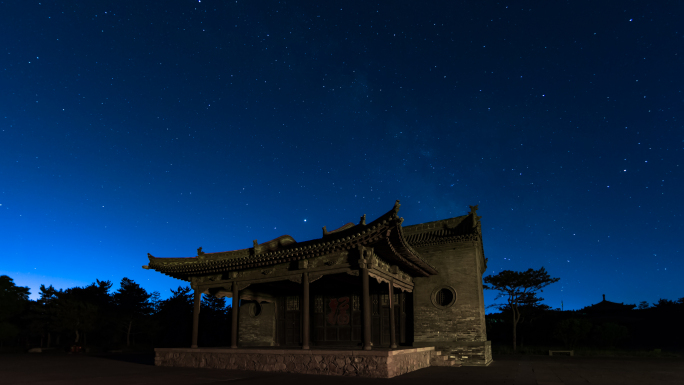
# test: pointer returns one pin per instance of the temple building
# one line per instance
(366, 286)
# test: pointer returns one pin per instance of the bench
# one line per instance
(572, 352)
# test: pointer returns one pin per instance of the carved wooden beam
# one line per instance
(295, 278)
(242, 285)
(378, 277)
(314, 277)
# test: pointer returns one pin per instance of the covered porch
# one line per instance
(334, 305)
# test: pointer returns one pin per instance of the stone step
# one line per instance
(437, 359)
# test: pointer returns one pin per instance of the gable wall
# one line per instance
(464, 320)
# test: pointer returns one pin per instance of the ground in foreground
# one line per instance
(138, 369)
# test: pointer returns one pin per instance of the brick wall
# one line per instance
(256, 330)
(458, 268)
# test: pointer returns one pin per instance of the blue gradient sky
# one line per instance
(134, 127)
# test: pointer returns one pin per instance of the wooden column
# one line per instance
(393, 338)
(195, 317)
(402, 319)
(366, 308)
(234, 326)
(305, 310)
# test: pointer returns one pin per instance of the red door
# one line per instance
(337, 320)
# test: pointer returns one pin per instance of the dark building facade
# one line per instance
(366, 285)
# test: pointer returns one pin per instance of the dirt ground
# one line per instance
(123, 369)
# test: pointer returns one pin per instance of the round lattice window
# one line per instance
(255, 309)
(444, 297)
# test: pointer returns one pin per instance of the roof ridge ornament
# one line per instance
(476, 218)
(396, 207)
(255, 247)
(363, 220)
(200, 254)
(325, 231)
(149, 256)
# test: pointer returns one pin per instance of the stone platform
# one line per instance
(377, 363)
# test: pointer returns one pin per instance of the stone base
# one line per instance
(475, 353)
(380, 363)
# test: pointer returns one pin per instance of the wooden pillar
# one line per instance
(402, 318)
(234, 326)
(366, 308)
(305, 310)
(393, 338)
(195, 317)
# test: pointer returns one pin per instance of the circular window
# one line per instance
(255, 309)
(444, 297)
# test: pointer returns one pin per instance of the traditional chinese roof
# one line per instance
(458, 229)
(384, 234)
(466, 228)
(608, 307)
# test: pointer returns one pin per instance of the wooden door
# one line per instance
(380, 319)
(288, 321)
(337, 320)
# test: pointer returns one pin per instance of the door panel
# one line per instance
(337, 317)
(288, 321)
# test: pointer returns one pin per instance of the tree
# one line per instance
(643, 305)
(75, 315)
(521, 289)
(571, 331)
(215, 321)
(665, 304)
(175, 317)
(81, 309)
(97, 295)
(46, 307)
(609, 334)
(13, 301)
(132, 303)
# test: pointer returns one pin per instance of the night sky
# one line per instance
(129, 127)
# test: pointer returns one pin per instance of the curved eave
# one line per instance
(395, 247)
(411, 254)
(366, 235)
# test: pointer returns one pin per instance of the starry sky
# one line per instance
(129, 127)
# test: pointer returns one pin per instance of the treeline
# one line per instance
(647, 327)
(97, 317)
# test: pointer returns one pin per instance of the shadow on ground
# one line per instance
(138, 368)
(134, 358)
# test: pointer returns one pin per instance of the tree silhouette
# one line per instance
(665, 304)
(175, 316)
(75, 315)
(571, 331)
(13, 301)
(46, 306)
(132, 304)
(520, 289)
(609, 334)
(215, 321)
